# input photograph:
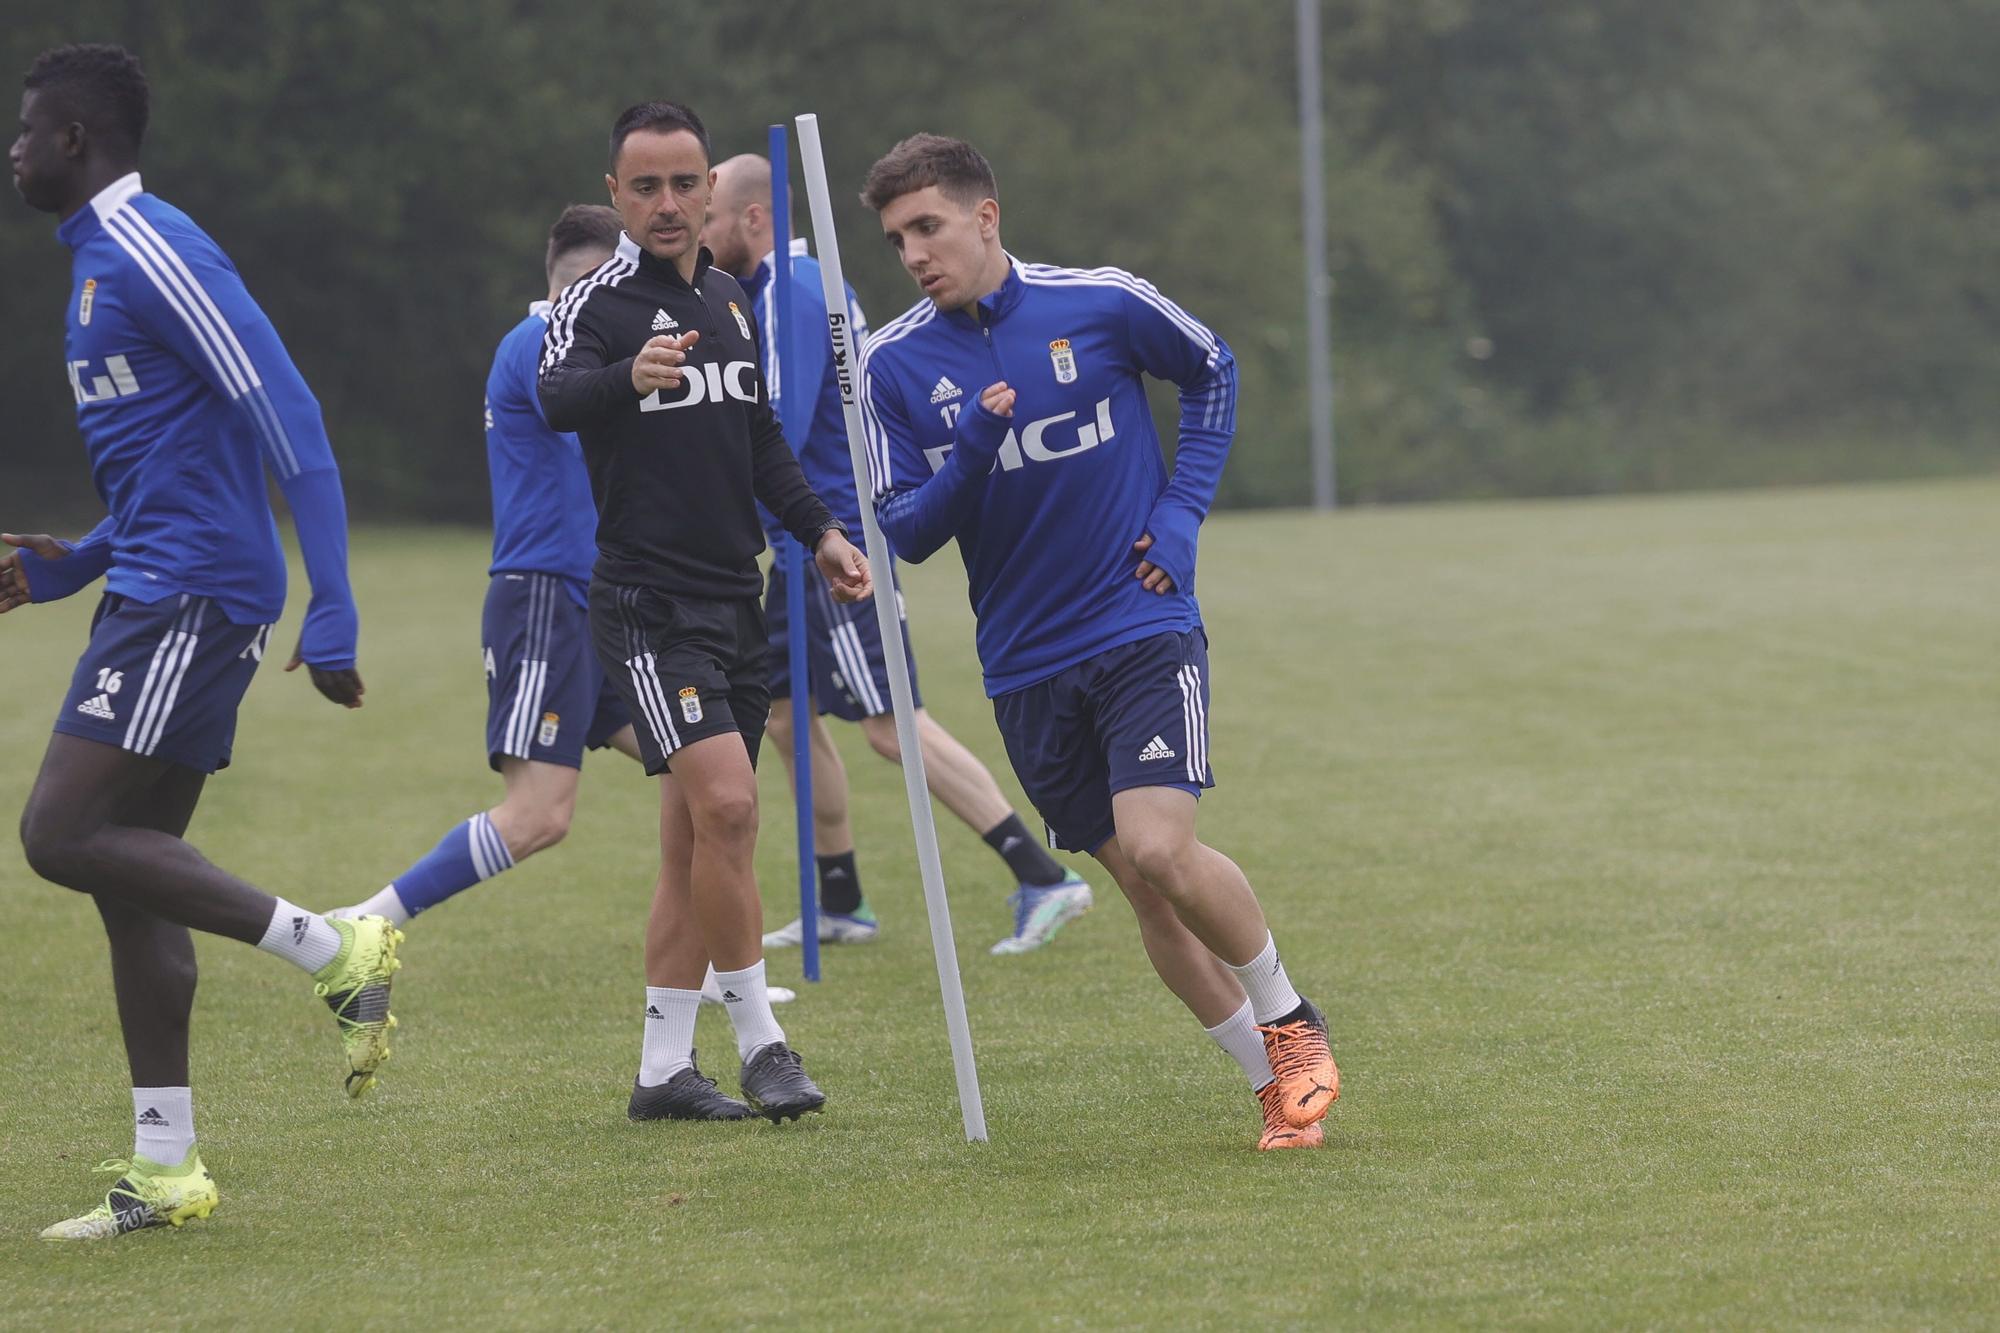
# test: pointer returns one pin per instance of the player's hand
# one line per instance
(343, 687)
(997, 399)
(13, 578)
(1151, 576)
(659, 363)
(845, 568)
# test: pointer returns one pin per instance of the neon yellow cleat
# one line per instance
(146, 1195)
(355, 985)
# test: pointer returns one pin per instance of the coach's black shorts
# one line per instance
(686, 668)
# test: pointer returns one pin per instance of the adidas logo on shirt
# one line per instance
(662, 321)
(945, 391)
(1156, 748)
(98, 707)
(151, 1116)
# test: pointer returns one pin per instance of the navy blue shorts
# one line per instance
(163, 679)
(687, 667)
(546, 697)
(843, 649)
(1132, 716)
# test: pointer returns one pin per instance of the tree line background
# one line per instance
(1578, 245)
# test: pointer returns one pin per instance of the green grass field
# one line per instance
(1643, 852)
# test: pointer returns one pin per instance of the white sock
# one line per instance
(748, 1004)
(299, 936)
(1238, 1035)
(162, 1124)
(1264, 980)
(386, 903)
(669, 1044)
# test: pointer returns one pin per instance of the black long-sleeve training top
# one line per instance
(676, 473)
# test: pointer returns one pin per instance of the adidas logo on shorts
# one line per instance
(99, 707)
(662, 321)
(945, 391)
(1156, 748)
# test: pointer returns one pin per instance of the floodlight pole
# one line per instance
(1319, 286)
(847, 373)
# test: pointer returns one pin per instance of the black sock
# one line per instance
(1024, 855)
(839, 883)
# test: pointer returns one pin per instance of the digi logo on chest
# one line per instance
(118, 381)
(707, 384)
(1043, 441)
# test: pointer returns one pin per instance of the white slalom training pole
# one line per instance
(846, 371)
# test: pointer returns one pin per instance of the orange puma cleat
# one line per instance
(1308, 1081)
(1280, 1132)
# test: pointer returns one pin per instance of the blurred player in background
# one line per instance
(652, 360)
(546, 696)
(1079, 549)
(843, 643)
(185, 397)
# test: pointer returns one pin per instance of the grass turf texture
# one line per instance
(1642, 851)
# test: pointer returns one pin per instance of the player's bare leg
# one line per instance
(535, 813)
(832, 834)
(1212, 994)
(1195, 975)
(670, 1085)
(75, 835)
(844, 914)
(713, 781)
(675, 954)
(152, 959)
(960, 782)
(1212, 897)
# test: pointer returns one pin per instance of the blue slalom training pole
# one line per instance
(795, 413)
(922, 823)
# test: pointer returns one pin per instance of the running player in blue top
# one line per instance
(1008, 410)
(185, 399)
(850, 679)
(546, 697)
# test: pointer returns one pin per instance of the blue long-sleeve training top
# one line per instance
(544, 521)
(185, 396)
(1046, 505)
(817, 428)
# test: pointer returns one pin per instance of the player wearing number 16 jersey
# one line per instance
(1008, 410)
(185, 399)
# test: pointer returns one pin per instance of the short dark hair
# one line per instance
(583, 227)
(922, 160)
(666, 117)
(97, 86)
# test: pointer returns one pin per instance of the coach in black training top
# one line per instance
(652, 361)
(676, 471)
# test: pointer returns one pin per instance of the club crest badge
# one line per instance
(551, 723)
(83, 307)
(691, 697)
(742, 324)
(1064, 360)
